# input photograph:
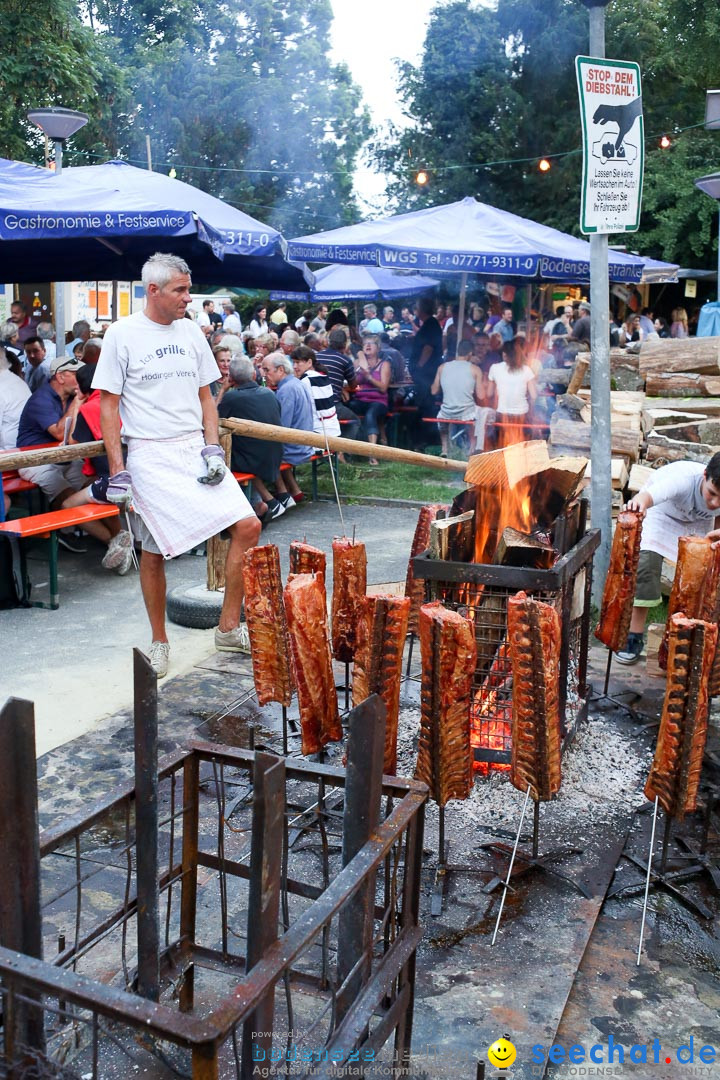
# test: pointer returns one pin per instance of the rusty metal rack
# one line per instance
(480, 591)
(231, 908)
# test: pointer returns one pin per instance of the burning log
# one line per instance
(675, 772)
(421, 541)
(381, 633)
(619, 592)
(267, 625)
(306, 559)
(307, 624)
(447, 646)
(695, 587)
(520, 549)
(349, 584)
(534, 639)
(453, 537)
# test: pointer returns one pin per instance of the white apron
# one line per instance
(178, 511)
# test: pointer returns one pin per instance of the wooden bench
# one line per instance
(47, 526)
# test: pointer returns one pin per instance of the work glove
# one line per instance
(119, 490)
(214, 458)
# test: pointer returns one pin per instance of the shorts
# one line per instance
(53, 480)
(142, 534)
(648, 592)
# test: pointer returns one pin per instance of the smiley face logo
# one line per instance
(502, 1053)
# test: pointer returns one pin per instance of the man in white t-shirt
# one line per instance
(154, 373)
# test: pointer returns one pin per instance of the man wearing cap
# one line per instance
(49, 410)
(581, 327)
(155, 374)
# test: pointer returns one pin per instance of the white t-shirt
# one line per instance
(511, 388)
(203, 318)
(157, 370)
(257, 329)
(232, 324)
(14, 393)
(678, 509)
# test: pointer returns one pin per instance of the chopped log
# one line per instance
(682, 384)
(693, 431)
(582, 366)
(521, 549)
(660, 417)
(639, 477)
(453, 538)
(700, 355)
(620, 358)
(662, 449)
(578, 437)
(619, 471)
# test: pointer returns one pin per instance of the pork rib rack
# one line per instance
(267, 626)
(381, 632)
(349, 585)
(306, 559)
(534, 641)
(415, 587)
(695, 587)
(675, 771)
(306, 610)
(448, 651)
(619, 592)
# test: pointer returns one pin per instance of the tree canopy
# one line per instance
(241, 99)
(495, 91)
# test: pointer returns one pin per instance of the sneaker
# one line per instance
(127, 562)
(275, 509)
(632, 651)
(287, 501)
(159, 655)
(118, 552)
(71, 542)
(235, 640)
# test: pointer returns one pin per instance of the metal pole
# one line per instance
(601, 453)
(59, 312)
(461, 312)
(647, 881)
(146, 827)
(506, 886)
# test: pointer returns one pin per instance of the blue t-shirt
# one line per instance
(44, 408)
(296, 411)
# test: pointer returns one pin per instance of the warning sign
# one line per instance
(613, 145)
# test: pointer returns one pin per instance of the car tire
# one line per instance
(194, 606)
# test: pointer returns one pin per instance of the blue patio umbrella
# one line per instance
(361, 283)
(460, 238)
(103, 221)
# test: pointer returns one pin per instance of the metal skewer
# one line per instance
(647, 880)
(510, 867)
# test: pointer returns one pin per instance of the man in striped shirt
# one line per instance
(337, 362)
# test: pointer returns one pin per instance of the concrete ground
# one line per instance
(75, 663)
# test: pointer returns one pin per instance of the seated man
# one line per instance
(245, 400)
(37, 365)
(44, 420)
(296, 411)
(680, 499)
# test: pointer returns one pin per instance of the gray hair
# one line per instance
(278, 359)
(9, 330)
(242, 369)
(45, 330)
(80, 327)
(338, 338)
(290, 338)
(161, 268)
(4, 362)
(231, 342)
(95, 342)
(371, 308)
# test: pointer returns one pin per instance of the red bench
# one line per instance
(47, 526)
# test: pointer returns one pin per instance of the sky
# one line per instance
(368, 35)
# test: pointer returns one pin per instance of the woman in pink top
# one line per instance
(371, 397)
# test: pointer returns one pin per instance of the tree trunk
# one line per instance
(700, 355)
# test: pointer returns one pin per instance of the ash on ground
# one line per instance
(603, 775)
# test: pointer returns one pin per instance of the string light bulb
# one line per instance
(172, 174)
(665, 142)
(544, 165)
(421, 177)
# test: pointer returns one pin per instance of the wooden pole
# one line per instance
(26, 459)
(274, 433)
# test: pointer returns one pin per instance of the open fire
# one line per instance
(529, 535)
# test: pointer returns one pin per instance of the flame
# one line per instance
(491, 714)
(495, 509)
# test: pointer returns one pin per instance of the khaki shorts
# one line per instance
(142, 534)
(53, 480)
(648, 592)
